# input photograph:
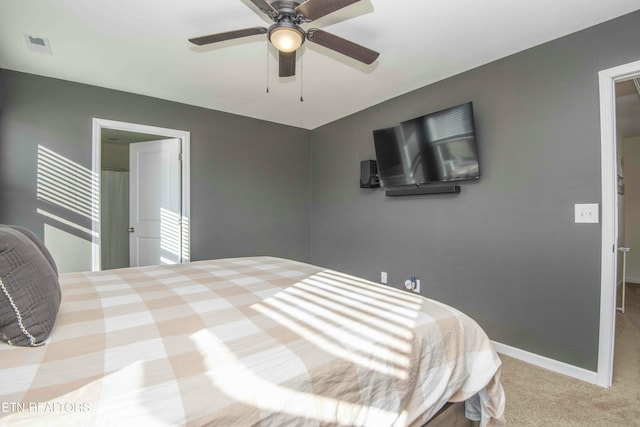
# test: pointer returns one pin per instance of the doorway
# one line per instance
(609, 253)
(120, 136)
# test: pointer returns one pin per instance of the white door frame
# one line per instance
(607, 80)
(184, 136)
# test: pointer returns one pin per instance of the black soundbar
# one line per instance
(447, 189)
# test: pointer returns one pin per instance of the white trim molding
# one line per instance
(185, 138)
(607, 79)
(546, 363)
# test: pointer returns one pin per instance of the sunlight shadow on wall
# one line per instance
(66, 184)
(169, 237)
(184, 239)
(64, 190)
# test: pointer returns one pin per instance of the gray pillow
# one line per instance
(32, 236)
(29, 289)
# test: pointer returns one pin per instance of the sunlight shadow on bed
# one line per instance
(349, 318)
(237, 381)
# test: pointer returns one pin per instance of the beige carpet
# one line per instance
(538, 397)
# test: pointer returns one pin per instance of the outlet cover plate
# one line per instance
(586, 213)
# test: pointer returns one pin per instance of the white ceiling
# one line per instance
(141, 47)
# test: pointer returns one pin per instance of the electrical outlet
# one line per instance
(413, 284)
(383, 277)
(587, 212)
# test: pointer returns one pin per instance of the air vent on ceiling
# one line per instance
(38, 44)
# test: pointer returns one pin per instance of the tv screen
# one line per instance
(438, 147)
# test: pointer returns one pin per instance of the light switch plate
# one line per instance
(586, 213)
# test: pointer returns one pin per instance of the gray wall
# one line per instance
(632, 207)
(115, 156)
(505, 250)
(250, 179)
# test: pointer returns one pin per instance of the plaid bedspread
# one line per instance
(247, 341)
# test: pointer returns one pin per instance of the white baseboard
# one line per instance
(546, 363)
(632, 279)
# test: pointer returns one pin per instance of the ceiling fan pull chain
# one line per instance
(301, 74)
(267, 66)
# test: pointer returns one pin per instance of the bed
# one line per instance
(248, 341)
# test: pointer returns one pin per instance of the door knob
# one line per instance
(131, 229)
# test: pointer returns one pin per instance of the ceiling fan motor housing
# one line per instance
(287, 7)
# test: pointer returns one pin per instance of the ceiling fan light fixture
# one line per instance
(286, 37)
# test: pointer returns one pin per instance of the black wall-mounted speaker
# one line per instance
(369, 174)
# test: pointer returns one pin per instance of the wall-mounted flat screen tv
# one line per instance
(437, 147)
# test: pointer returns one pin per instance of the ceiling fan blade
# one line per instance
(229, 35)
(314, 9)
(287, 64)
(265, 7)
(343, 46)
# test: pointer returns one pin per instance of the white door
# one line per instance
(155, 201)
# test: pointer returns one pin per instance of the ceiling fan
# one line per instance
(287, 35)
